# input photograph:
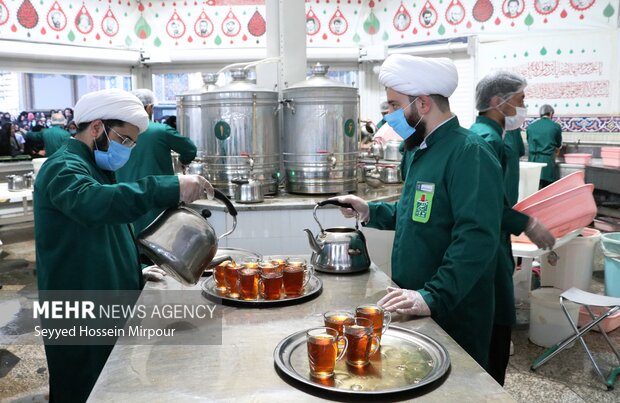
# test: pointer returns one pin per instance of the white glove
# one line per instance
(405, 302)
(153, 273)
(539, 234)
(359, 205)
(193, 187)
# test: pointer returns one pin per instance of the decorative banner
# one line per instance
(313, 24)
(175, 26)
(231, 26)
(402, 19)
(4, 13)
(545, 7)
(513, 8)
(338, 25)
(257, 25)
(455, 13)
(428, 15)
(27, 15)
(56, 18)
(571, 72)
(483, 10)
(83, 21)
(203, 26)
(109, 23)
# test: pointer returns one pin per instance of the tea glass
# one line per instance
(295, 277)
(218, 274)
(362, 343)
(248, 283)
(322, 343)
(231, 276)
(378, 316)
(270, 285)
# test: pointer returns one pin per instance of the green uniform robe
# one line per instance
(84, 242)
(544, 137)
(513, 222)
(52, 138)
(513, 151)
(151, 156)
(450, 258)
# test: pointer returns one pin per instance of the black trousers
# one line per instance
(499, 352)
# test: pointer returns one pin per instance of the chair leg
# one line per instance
(612, 377)
(608, 313)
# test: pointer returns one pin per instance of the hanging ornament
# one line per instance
(482, 11)
(338, 25)
(313, 24)
(609, 11)
(109, 23)
(4, 13)
(428, 15)
(27, 15)
(56, 18)
(142, 29)
(203, 25)
(372, 24)
(455, 13)
(257, 25)
(581, 5)
(544, 7)
(402, 19)
(231, 25)
(513, 8)
(83, 20)
(175, 28)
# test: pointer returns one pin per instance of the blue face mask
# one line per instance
(398, 122)
(72, 132)
(113, 159)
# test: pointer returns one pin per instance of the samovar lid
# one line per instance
(319, 79)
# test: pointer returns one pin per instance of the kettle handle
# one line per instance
(335, 203)
(222, 197)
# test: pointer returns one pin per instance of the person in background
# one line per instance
(54, 137)
(72, 128)
(68, 112)
(8, 143)
(447, 221)
(21, 141)
(384, 108)
(171, 121)
(544, 140)
(513, 151)
(82, 237)
(499, 100)
(152, 155)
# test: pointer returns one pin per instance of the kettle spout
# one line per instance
(313, 243)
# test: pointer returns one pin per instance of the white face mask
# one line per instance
(515, 121)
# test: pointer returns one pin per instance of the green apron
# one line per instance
(52, 138)
(84, 241)
(151, 156)
(512, 222)
(447, 227)
(513, 150)
(544, 137)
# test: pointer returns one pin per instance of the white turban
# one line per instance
(413, 75)
(111, 104)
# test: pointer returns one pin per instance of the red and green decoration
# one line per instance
(257, 25)
(313, 24)
(372, 24)
(203, 27)
(56, 17)
(27, 15)
(109, 24)
(4, 13)
(175, 28)
(455, 13)
(231, 25)
(83, 20)
(482, 10)
(338, 24)
(428, 16)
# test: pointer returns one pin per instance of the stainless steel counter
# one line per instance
(242, 368)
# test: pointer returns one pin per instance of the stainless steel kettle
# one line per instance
(338, 249)
(182, 242)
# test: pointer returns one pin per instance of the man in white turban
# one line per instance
(447, 221)
(83, 236)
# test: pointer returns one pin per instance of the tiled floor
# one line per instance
(569, 377)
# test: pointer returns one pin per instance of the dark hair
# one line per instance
(443, 104)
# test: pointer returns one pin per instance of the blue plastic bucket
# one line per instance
(610, 243)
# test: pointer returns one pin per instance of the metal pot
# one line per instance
(196, 168)
(248, 191)
(29, 180)
(16, 183)
(376, 150)
(390, 174)
(391, 151)
(339, 249)
(373, 177)
(182, 242)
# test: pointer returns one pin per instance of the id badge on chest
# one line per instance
(423, 201)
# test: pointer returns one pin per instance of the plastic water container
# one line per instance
(610, 243)
(529, 178)
(570, 265)
(548, 324)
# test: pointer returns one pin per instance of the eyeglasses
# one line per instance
(127, 141)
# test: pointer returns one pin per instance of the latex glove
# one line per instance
(194, 187)
(153, 273)
(359, 205)
(539, 234)
(406, 302)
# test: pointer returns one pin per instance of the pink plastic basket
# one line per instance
(611, 156)
(582, 159)
(608, 324)
(560, 186)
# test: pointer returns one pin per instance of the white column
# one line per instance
(141, 77)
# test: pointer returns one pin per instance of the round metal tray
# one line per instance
(312, 290)
(407, 360)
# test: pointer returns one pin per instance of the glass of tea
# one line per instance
(231, 277)
(362, 343)
(218, 274)
(322, 345)
(337, 319)
(378, 316)
(278, 260)
(270, 285)
(249, 263)
(268, 267)
(295, 277)
(248, 283)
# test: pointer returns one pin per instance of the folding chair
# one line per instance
(586, 299)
